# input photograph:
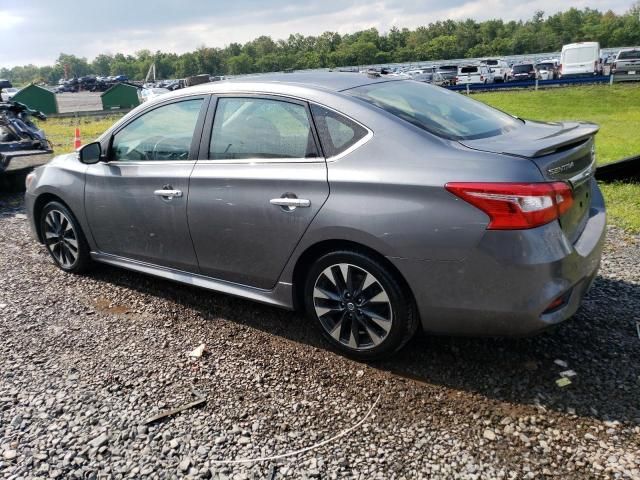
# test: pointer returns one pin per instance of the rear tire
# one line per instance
(360, 306)
(63, 237)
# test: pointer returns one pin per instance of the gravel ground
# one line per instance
(86, 359)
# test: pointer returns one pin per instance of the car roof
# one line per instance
(332, 81)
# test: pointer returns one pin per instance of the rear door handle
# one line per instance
(168, 193)
(291, 203)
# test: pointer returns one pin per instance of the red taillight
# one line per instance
(513, 206)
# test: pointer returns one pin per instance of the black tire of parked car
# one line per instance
(82, 260)
(404, 312)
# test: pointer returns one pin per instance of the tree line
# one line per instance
(437, 41)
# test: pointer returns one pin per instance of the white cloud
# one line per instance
(90, 28)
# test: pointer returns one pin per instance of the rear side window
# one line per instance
(260, 128)
(337, 133)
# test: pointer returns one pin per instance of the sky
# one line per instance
(88, 28)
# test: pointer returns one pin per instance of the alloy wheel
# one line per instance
(60, 238)
(352, 306)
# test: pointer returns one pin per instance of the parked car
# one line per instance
(305, 190)
(547, 70)
(627, 62)
(8, 93)
(147, 94)
(523, 71)
(23, 144)
(421, 74)
(473, 74)
(448, 73)
(499, 68)
(580, 59)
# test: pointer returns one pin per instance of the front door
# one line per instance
(136, 202)
(260, 187)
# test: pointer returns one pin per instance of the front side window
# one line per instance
(164, 133)
(337, 133)
(437, 110)
(246, 128)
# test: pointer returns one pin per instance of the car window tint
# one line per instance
(437, 110)
(164, 133)
(337, 133)
(629, 54)
(260, 128)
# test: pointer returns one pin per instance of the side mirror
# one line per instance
(91, 153)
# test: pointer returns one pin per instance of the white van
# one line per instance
(473, 74)
(580, 59)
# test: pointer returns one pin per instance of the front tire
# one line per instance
(360, 306)
(63, 237)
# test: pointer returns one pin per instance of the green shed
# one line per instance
(120, 96)
(37, 98)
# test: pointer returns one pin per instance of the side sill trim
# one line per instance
(280, 296)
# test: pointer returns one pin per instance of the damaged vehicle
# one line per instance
(375, 204)
(22, 144)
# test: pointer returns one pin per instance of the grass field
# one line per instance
(615, 108)
(61, 130)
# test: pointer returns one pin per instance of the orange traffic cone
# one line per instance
(77, 143)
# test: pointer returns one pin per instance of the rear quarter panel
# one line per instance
(389, 194)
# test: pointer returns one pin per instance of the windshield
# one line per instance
(522, 68)
(442, 112)
(545, 66)
(490, 62)
(629, 54)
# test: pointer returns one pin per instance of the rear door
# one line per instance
(259, 182)
(136, 202)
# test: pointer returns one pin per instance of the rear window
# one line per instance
(442, 112)
(579, 55)
(522, 68)
(629, 55)
(448, 68)
(468, 69)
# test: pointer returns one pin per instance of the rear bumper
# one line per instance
(508, 281)
(22, 161)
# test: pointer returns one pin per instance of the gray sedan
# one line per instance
(376, 205)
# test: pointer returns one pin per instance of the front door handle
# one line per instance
(168, 193)
(290, 203)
